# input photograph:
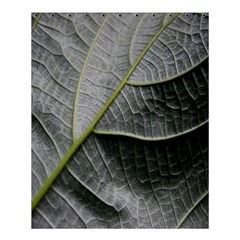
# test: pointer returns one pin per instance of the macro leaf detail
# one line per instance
(120, 120)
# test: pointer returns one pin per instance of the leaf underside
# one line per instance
(120, 120)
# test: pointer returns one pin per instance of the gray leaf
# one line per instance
(119, 120)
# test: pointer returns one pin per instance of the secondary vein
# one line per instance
(81, 76)
(132, 135)
(167, 79)
(191, 209)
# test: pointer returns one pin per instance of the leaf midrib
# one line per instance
(36, 21)
(78, 142)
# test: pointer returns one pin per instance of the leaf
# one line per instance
(119, 120)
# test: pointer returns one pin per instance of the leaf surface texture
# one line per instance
(134, 88)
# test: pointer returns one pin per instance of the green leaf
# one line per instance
(119, 120)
